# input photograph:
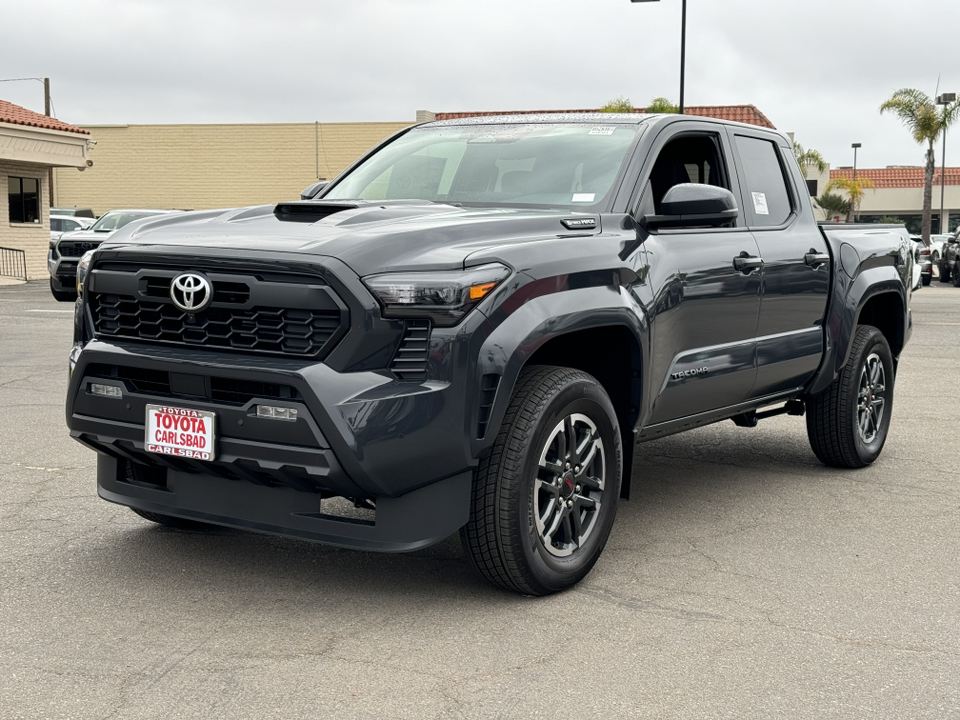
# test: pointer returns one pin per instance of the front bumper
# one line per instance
(409, 522)
(360, 435)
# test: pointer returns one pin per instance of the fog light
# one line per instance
(276, 413)
(110, 391)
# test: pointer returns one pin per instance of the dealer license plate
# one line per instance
(180, 431)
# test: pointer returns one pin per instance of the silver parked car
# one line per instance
(67, 249)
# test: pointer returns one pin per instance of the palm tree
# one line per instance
(808, 158)
(925, 122)
(854, 190)
(832, 205)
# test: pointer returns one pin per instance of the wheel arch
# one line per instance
(605, 338)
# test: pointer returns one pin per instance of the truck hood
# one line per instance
(368, 237)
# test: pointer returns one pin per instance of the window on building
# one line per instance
(23, 195)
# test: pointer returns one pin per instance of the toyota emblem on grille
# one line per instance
(191, 292)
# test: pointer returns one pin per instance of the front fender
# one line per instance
(518, 336)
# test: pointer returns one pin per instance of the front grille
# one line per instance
(410, 359)
(247, 313)
(75, 248)
(272, 330)
(226, 390)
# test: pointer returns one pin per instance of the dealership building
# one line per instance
(31, 145)
(195, 167)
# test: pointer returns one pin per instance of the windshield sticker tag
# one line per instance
(601, 131)
(583, 197)
(760, 203)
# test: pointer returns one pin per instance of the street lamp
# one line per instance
(944, 99)
(683, 45)
(855, 146)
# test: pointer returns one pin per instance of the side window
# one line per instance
(687, 159)
(765, 190)
(56, 225)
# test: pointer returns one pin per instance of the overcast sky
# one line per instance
(819, 68)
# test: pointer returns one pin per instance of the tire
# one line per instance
(62, 295)
(944, 272)
(925, 279)
(843, 432)
(174, 522)
(955, 276)
(935, 258)
(540, 515)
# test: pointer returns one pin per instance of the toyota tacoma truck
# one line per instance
(471, 328)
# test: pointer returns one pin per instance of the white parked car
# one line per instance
(60, 224)
(67, 249)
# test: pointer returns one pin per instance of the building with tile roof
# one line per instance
(736, 113)
(31, 145)
(898, 193)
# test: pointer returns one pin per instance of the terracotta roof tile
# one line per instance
(900, 177)
(736, 113)
(16, 115)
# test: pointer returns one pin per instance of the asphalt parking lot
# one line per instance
(743, 580)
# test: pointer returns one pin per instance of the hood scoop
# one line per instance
(310, 211)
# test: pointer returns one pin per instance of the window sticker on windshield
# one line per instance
(583, 197)
(601, 131)
(760, 203)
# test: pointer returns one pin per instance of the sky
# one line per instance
(817, 68)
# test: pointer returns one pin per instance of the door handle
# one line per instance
(815, 259)
(747, 263)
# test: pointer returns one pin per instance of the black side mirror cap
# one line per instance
(695, 205)
(312, 190)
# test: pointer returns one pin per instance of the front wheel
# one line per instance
(944, 272)
(847, 423)
(954, 275)
(545, 498)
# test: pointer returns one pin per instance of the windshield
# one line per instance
(570, 166)
(115, 220)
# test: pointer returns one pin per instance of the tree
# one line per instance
(618, 105)
(833, 205)
(662, 105)
(808, 158)
(925, 122)
(854, 190)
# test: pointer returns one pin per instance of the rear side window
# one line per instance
(766, 190)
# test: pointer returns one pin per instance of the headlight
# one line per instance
(444, 297)
(82, 270)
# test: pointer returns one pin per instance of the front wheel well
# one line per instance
(611, 354)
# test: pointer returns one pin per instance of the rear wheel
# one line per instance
(847, 423)
(545, 498)
(955, 276)
(944, 272)
(62, 295)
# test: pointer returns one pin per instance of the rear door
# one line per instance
(796, 263)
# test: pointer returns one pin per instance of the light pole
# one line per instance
(683, 45)
(944, 99)
(855, 146)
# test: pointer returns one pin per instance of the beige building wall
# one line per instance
(197, 167)
(33, 238)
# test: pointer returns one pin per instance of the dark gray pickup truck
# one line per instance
(471, 328)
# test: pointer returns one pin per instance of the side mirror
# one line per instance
(311, 191)
(694, 205)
